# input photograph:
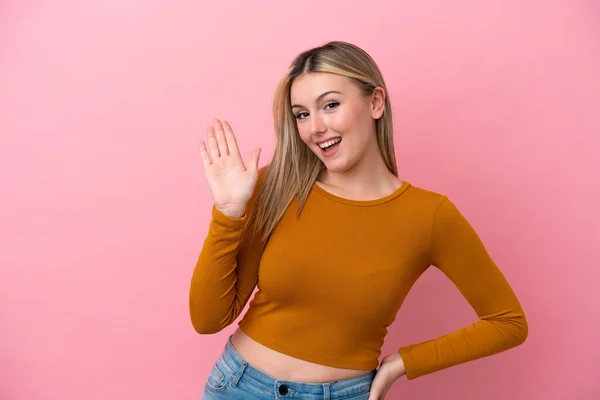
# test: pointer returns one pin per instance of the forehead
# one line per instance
(307, 87)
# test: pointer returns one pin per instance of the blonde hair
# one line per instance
(294, 167)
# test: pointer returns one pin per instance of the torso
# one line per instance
(283, 367)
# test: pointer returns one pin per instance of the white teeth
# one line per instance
(329, 143)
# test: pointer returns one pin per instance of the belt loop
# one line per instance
(326, 391)
(238, 375)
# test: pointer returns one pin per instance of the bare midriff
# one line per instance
(283, 367)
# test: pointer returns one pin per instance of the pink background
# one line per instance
(104, 207)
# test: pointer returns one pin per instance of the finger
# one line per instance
(212, 144)
(232, 145)
(375, 392)
(220, 134)
(254, 157)
(385, 392)
(204, 155)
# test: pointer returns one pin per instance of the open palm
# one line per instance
(230, 181)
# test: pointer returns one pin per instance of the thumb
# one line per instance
(254, 157)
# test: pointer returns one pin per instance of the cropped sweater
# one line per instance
(332, 279)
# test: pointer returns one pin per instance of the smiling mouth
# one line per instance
(330, 143)
(330, 148)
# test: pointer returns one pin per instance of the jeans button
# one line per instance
(283, 390)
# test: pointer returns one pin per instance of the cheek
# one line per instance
(340, 122)
(303, 131)
(345, 120)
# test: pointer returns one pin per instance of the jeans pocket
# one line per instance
(219, 377)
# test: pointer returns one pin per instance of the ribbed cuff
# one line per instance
(408, 363)
(224, 220)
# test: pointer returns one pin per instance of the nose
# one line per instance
(317, 125)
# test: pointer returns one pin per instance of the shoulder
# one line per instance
(434, 203)
(444, 212)
(418, 206)
(437, 211)
(424, 198)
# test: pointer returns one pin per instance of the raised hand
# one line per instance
(230, 181)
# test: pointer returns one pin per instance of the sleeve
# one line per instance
(459, 253)
(225, 274)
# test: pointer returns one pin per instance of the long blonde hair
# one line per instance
(294, 167)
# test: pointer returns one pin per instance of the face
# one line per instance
(335, 120)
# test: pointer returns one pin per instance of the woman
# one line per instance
(334, 240)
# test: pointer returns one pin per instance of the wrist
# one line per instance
(395, 365)
(233, 213)
(400, 367)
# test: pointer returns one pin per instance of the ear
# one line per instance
(377, 102)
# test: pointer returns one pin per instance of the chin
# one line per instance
(337, 165)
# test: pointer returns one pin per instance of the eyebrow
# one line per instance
(320, 97)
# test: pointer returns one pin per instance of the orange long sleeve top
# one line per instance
(331, 280)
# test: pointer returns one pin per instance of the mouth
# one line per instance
(330, 147)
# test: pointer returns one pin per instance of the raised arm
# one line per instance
(226, 272)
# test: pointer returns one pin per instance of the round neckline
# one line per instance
(361, 203)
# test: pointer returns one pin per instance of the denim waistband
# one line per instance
(282, 389)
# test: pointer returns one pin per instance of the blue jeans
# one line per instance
(233, 378)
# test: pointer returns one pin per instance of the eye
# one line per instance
(332, 104)
(301, 115)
